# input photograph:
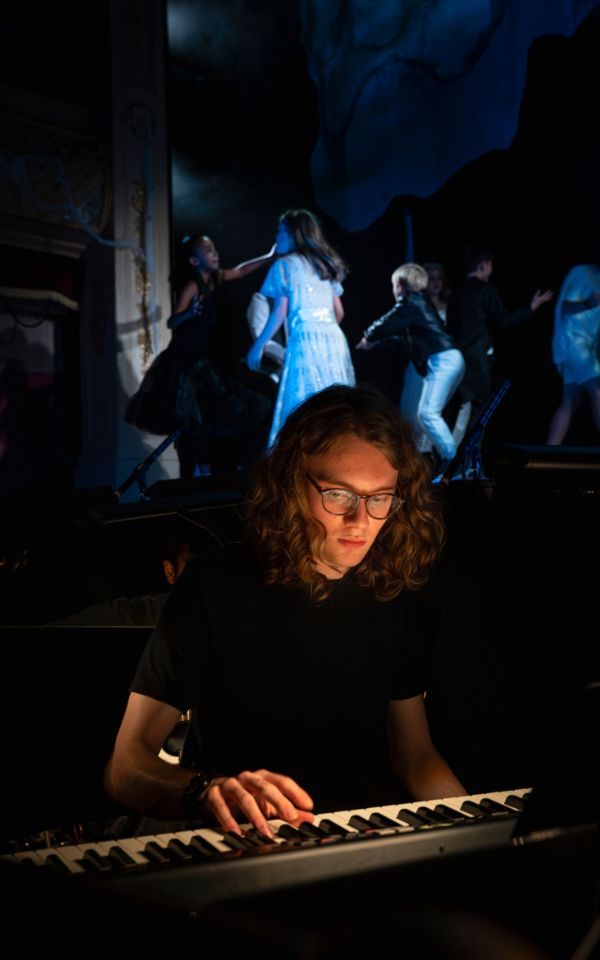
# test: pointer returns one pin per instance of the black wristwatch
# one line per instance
(194, 789)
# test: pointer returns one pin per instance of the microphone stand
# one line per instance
(468, 458)
(139, 473)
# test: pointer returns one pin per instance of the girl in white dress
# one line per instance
(304, 285)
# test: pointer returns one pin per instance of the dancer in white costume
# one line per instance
(576, 347)
(305, 288)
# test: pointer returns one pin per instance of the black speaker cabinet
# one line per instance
(542, 465)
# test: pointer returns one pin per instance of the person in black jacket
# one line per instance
(415, 322)
(475, 312)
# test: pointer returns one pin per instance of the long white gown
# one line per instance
(317, 353)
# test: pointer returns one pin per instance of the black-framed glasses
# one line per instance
(338, 501)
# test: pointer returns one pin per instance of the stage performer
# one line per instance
(576, 347)
(305, 289)
(415, 323)
(182, 387)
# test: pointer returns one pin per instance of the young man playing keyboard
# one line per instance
(303, 653)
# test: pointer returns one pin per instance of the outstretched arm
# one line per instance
(248, 266)
(276, 318)
(415, 760)
(498, 317)
(539, 299)
(183, 307)
(389, 325)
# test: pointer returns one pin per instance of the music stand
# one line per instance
(468, 458)
(139, 473)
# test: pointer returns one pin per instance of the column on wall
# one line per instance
(127, 296)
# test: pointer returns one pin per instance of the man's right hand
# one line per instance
(259, 795)
(540, 298)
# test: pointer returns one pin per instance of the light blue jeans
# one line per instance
(445, 370)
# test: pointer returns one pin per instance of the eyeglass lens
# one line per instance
(344, 501)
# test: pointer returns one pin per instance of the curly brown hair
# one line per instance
(284, 533)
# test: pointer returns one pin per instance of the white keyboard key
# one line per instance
(30, 855)
(135, 848)
(69, 856)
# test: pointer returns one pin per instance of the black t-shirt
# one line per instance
(276, 681)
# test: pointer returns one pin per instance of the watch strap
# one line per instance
(196, 786)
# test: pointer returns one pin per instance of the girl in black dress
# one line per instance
(182, 388)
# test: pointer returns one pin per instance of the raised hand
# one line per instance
(540, 298)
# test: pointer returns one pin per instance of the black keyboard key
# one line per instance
(469, 806)
(412, 819)
(201, 846)
(236, 842)
(179, 849)
(292, 835)
(451, 815)
(516, 803)
(379, 820)
(493, 807)
(258, 839)
(156, 853)
(288, 832)
(431, 816)
(57, 864)
(333, 829)
(120, 857)
(96, 861)
(311, 830)
(360, 823)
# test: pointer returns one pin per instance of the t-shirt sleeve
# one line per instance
(417, 630)
(276, 283)
(175, 663)
(338, 289)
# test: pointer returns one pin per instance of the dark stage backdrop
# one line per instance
(474, 125)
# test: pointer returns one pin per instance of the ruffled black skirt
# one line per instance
(196, 397)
